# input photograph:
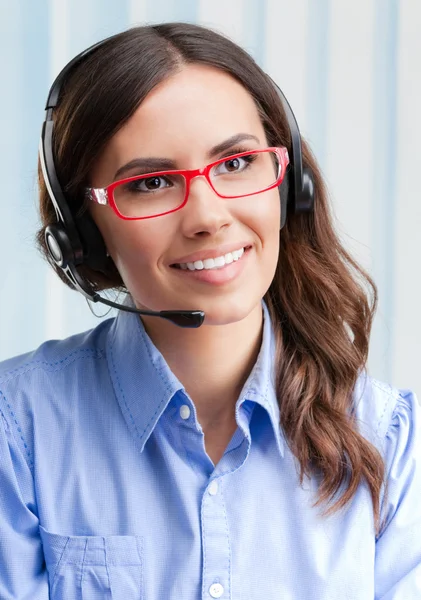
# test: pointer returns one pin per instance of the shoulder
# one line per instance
(391, 419)
(36, 382)
(55, 355)
(383, 412)
(41, 391)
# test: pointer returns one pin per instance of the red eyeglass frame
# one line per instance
(105, 195)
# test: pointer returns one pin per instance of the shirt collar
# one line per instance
(144, 383)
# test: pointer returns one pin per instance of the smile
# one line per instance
(212, 263)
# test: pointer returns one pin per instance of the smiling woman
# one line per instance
(172, 168)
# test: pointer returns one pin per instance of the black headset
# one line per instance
(75, 241)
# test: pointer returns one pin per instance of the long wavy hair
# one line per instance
(320, 300)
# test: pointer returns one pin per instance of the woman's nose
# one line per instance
(205, 212)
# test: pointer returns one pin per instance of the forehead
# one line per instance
(197, 107)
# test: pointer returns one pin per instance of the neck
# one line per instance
(212, 362)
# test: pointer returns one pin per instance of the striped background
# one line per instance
(351, 71)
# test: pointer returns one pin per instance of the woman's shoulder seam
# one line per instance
(52, 366)
(392, 394)
(386, 388)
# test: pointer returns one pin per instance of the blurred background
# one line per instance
(351, 71)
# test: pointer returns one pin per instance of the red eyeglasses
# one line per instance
(152, 195)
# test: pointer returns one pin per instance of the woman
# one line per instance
(248, 457)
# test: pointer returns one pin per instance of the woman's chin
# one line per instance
(218, 311)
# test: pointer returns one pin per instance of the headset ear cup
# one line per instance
(305, 200)
(59, 245)
(283, 194)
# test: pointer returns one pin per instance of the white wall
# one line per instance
(351, 71)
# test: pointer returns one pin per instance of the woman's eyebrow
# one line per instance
(231, 141)
(148, 165)
(151, 164)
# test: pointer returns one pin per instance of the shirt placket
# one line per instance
(216, 539)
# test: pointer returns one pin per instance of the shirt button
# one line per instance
(216, 590)
(213, 489)
(184, 412)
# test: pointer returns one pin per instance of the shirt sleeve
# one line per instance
(398, 547)
(23, 574)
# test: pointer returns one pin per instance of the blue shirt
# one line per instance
(107, 491)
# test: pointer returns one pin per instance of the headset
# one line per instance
(76, 240)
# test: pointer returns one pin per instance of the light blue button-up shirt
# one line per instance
(106, 490)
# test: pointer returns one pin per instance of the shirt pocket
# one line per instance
(94, 567)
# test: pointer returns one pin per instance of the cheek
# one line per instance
(268, 231)
(138, 250)
(265, 218)
(133, 244)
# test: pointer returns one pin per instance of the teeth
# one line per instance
(213, 263)
(219, 261)
(209, 263)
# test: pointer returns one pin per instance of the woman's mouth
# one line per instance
(212, 263)
(220, 270)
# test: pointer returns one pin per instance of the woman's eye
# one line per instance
(148, 184)
(235, 165)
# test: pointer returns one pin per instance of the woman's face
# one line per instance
(181, 120)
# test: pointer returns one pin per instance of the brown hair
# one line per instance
(321, 302)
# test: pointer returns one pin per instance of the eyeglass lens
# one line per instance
(151, 194)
